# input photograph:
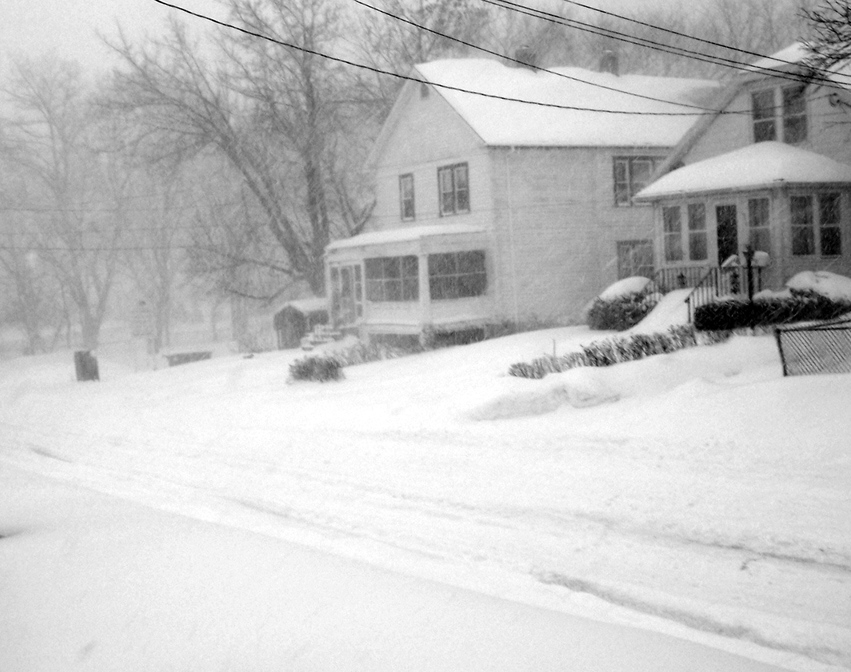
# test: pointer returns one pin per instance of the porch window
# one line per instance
(762, 106)
(803, 239)
(673, 233)
(632, 174)
(454, 185)
(406, 196)
(697, 232)
(456, 275)
(758, 222)
(794, 114)
(392, 279)
(829, 225)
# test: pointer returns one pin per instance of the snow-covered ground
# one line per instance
(428, 509)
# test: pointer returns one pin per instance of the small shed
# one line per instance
(298, 317)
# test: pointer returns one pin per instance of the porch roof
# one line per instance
(759, 166)
(405, 235)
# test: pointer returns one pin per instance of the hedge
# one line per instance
(620, 313)
(741, 313)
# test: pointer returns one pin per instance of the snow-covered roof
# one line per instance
(637, 121)
(405, 234)
(311, 305)
(791, 55)
(764, 164)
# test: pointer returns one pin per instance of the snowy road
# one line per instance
(629, 520)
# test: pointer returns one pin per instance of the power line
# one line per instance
(670, 31)
(654, 45)
(534, 67)
(418, 80)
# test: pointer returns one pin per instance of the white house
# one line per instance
(771, 170)
(491, 209)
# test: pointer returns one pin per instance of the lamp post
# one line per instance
(748, 253)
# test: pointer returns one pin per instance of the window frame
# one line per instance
(794, 118)
(759, 229)
(392, 279)
(833, 226)
(695, 232)
(807, 227)
(448, 281)
(405, 198)
(672, 234)
(764, 116)
(628, 186)
(454, 200)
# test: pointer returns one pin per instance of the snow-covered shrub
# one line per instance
(622, 305)
(823, 283)
(320, 369)
(743, 314)
(616, 350)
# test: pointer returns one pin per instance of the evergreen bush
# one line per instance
(620, 313)
(317, 368)
(743, 314)
(618, 349)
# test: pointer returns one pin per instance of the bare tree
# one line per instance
(51, 141)
(394, 35)
(830, 41)
(278, 116)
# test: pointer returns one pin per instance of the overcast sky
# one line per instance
(68, 28)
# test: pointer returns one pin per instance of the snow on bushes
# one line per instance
(622, 305)
(743, 314)
(320, 369)
(616, 350)
(824, 283)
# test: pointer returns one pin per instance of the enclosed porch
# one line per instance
(770, 207)
(407, 281)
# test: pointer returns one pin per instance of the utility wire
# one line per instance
(418, 80)
(657, 46)
(713, 43)
(529, 65)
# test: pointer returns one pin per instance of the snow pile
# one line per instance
(671, 310)
(824, 283)
(636, 284)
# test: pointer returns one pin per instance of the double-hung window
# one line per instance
(673, 233)
(759, 224)
(457, 275)
(454, 185)
(392, 278)
(697, 232)
(788, 115)
(632, 174)
(406, 196)
(830, 225)
(794, 113)
(803, 234)
(764, 124)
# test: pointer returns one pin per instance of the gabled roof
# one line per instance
(623, 119)
(762, 165)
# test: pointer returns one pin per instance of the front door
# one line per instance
(726, 220)
(347, 297)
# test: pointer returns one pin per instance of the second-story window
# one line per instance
(632, 174)
(454, 185)
(794, 114)
(785, 114)
(764, 126)
(406, 196)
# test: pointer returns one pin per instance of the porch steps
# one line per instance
(321, 334)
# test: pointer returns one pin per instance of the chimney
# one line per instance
(525, 56)
(609, 62)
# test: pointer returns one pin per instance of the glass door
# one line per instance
(347, 295)
(727, 221)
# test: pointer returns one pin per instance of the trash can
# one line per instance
(86, 365)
